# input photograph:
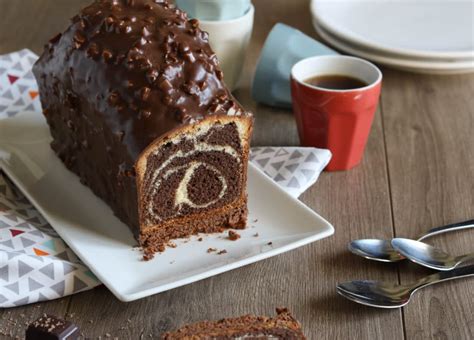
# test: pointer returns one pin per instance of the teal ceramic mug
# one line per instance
(283, 48)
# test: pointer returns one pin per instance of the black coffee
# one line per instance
(336, 82)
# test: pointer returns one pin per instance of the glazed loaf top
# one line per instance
(141, 64)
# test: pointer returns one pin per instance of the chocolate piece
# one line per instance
(133, 96)
(49, 327)
(283, 326)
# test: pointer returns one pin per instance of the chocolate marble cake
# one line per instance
(136, 105)
(249, 327)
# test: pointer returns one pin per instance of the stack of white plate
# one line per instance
(425, 36)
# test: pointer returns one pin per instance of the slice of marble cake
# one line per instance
(248, 327)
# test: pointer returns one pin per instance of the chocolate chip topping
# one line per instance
(156, 48)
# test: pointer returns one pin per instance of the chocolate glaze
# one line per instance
(124, 73)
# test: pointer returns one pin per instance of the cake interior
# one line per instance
(193, 181)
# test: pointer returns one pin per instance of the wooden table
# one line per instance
(418, 172)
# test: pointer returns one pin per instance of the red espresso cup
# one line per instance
(338, 120)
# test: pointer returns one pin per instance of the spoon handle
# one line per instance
(445, 276)
(450, 227)
(465, 258)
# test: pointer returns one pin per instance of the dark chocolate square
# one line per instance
(49, 327)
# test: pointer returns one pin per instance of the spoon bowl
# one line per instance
(374, 293)
(374, 249)
(428, 256)
(382, 250)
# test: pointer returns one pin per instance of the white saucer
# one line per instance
(403, 63)
(412, 28)
(106, 245)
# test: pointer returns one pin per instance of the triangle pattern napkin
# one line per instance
(35, 264)
(18, 91)
(293, 168)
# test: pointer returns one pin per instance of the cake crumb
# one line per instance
(255, 235)
(210, 250)
(147, 257)
(172, 245)
(233, 236)
(200, 239)
(255, 220)
(223, 251)
(270, 243)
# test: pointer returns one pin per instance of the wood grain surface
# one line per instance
(417, 173)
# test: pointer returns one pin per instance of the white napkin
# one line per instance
(35, 263)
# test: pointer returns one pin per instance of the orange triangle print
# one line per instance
(40, 252)
(33, 94)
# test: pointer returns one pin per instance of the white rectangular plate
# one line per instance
(105, 244)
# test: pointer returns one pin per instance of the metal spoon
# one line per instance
(389, 295)
(428, 256)
(382, 250)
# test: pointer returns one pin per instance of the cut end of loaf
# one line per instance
(193, 181)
